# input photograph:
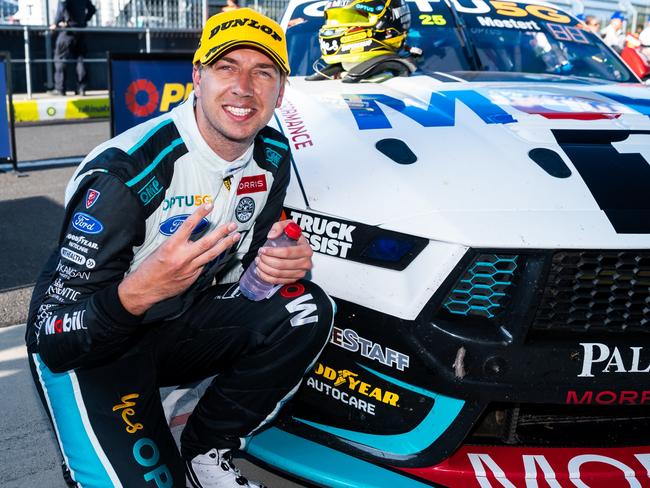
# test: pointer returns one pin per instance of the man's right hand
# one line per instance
(176, 264)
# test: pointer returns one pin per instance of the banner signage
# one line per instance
(7, 144)
(144, 86)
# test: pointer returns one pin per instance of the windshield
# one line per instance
(504, 37)
(536, 45)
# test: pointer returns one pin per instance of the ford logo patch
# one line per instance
(86, 223)
(171, 225)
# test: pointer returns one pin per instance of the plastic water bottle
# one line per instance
(250, 284)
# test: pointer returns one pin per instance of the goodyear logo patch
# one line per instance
(346, 379)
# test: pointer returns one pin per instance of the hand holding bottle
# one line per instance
(278, 263)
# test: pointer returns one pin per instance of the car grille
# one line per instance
(564, 425)
(596, 291)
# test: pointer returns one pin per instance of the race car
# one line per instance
(483, 226)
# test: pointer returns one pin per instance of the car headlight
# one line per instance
(388, 249)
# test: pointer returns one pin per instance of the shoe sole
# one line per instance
(190, 476)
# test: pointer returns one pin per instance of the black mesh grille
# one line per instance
(596, 291)
(564, 425)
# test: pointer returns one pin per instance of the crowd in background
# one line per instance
(617, 37)
(631, 41)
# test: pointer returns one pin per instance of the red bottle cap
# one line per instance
(292, 230)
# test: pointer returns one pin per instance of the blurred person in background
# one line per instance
(230, 5)
(71, 44)
(614, 35)
(644, 38)
(593, 24)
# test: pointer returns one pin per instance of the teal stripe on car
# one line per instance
(83, 459)
(154, 163)
(319, 464)
(444, 411)
(148, 135)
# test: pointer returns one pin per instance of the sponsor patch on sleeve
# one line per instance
(91, 197)
(86, 223)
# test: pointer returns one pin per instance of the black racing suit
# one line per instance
(98, 367)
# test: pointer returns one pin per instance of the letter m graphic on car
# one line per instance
(440, 112)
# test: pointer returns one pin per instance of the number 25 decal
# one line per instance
(432, 19)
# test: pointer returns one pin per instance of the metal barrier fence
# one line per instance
(114, 13)
(271, 8)
(38, 41)
(32, 47)
(182, 14)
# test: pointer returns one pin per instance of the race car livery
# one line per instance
(126, 198)
(484, 228)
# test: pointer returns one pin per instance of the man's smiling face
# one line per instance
(235, 98)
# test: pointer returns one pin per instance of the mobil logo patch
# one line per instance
(69, 322)
(86, 223)
(171, 225)
(251, 184)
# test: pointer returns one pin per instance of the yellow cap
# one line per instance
(242, 27)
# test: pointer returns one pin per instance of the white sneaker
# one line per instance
(215, 469)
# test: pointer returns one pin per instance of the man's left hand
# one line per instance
(284, 265)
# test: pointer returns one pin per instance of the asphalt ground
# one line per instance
(31, 209)
(31, 206)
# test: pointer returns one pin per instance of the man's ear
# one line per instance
(196, 79)
(283, 82)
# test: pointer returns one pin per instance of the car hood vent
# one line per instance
(397, 150)
(550, 161)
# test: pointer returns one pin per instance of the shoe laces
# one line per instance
(226, 464)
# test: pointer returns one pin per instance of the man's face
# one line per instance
(594, 26)
(236, 96)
